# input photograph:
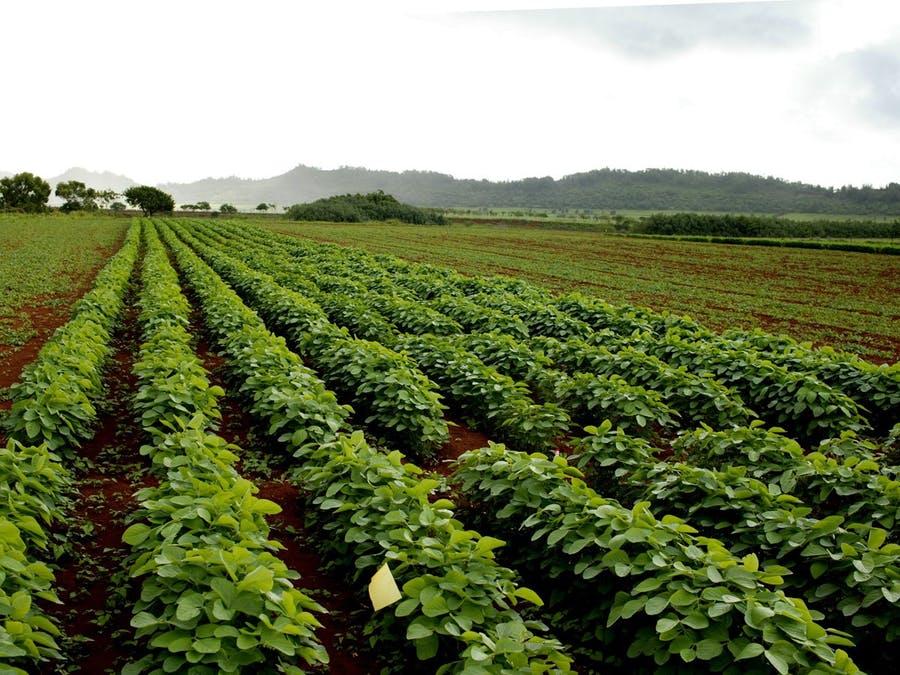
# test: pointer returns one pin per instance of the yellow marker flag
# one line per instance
(383, 589)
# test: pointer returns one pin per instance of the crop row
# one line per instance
(826, 522)
(473, 389)
(391, 393)
(778, 651)
(214, 596)
(470, 378)
(53, 411)
(796, 373)
(460, 605)
(465, 367)
(635, 587)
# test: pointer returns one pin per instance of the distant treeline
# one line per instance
(712, 225)
(359, 208)
(604, 189)
(887, 248)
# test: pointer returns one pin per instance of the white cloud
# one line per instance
(178, 91)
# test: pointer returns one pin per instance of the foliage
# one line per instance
(387, 387)
(53, 401)
(376, 507)
(481, 393)
(825, 554)
(728, 225)
(213, 592)
(149, 199)
(228, 209)
(25, 192)
(359, 208)
(79, 197)
(652, 584)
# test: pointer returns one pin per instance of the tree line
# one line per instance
(728, 225)
(29, 193)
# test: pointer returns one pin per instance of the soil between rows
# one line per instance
(92, 582)
(342, 626)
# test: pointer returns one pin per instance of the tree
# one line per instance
(79, 197)
(150, 200)
(117, 206)
(189, 207)
(203, 206)
(24, 191)
(262, 206)
(227, 208)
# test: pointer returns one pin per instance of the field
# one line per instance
(848, 300)
(236, 429)
(45, 265)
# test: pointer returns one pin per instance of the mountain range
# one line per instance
(608, 189)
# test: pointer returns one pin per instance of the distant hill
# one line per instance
(650, 189)
(101, 180)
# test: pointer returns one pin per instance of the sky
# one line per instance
(178, 91)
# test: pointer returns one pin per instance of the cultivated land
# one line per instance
(236, 429)
(46, 263)
(848, 300)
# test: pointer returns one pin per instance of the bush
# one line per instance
(360, 208)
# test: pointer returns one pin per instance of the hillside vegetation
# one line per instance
(649, 190)
(362, 208)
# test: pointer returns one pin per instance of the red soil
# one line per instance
(343, 624)
(462, 439)
(104, 497)
(44, 319)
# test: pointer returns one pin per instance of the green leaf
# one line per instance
(136, 534)
(207, 646)
(142, 620)
(708, 649)
(260, 580)
(750, 651)
(529, 595)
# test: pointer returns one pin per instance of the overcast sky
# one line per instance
(806, 90)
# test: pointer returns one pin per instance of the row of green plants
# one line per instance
(875, 388)
(478, 392)
(639, 591)
(697, 399)
(486, 397)
(214, 596)
(521, 359)
(588, 398)
(833, 544)
(490, 401)
(34, 487)
(392, 395)
(809, 408)
(521, 424)
(460, 610)
(53, 411)
(54, 401)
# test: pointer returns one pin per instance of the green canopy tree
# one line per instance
(149, 199)
(24, 191)
(79, 197)
(203, 206)
(228, 208)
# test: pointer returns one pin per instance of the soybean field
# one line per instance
(242, 439)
